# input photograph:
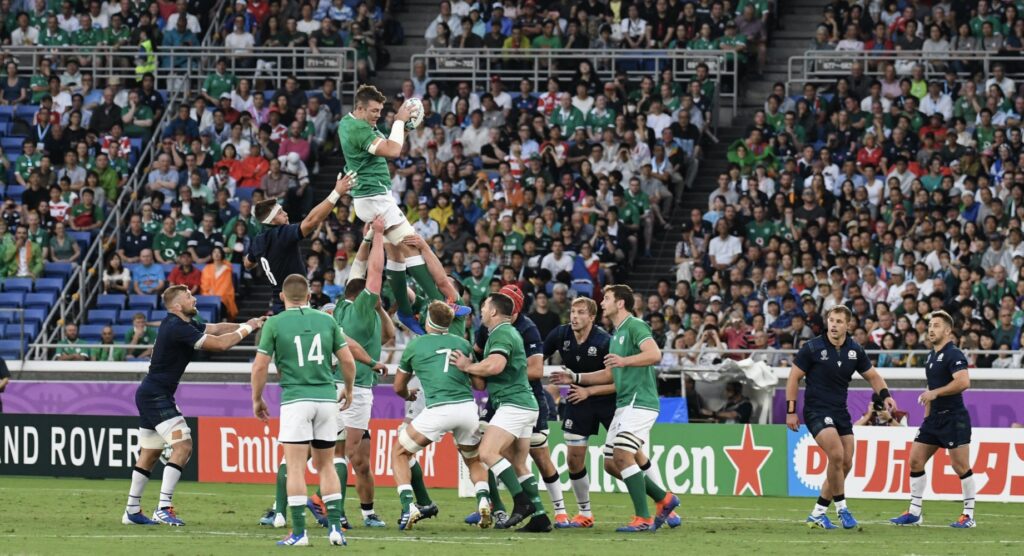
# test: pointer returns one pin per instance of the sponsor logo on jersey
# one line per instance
(565, 345)
(824, 355)
(852, 355)
(592, 351)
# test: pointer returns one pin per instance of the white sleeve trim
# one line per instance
(199, 342)
(372, 149)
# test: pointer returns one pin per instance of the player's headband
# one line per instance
(273, 214)
(434, 325)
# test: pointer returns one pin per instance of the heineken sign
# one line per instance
(730, 460)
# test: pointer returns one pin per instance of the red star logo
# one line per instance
(748, 459)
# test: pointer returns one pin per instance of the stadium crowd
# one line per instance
(891, 193)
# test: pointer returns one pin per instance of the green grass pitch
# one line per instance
(77, 516)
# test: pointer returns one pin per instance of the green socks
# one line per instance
(635, 484)
(341, 468)
(281, 493)
(416, 268)
(653, 490)
(399, 286)
(529, 484)
(334, 506)
(405, 496)
(418, 486)
(297, 507)
(492, 484)
(503, 469)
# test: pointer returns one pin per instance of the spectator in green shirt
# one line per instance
(73, 348)
(52, 34)
(39, 84)
(218, 83)
(101, 353)
(140, 334)
(26, 162)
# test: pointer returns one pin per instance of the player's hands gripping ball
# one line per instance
(414, 107)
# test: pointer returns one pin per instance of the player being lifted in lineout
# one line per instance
(366, 152)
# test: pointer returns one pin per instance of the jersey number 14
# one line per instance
(315, 353)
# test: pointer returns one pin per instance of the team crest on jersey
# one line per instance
(824, 355)
(565, 345)
(940, 356)
(622, 340)
(592, 351)
(852, 355)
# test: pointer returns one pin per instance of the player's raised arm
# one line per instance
(322, 210)
(375, 264)
(392, 146)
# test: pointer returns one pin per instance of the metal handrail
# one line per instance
(217, 17)
(825, 66)
(262, 63)
(478, 65)
(87, 275)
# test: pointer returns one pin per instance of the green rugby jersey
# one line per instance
(427, 358)
(356, 136)
(361, 322)
(301, 341)
(511, 386)
(636, 386)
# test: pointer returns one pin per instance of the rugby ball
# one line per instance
(416, 108)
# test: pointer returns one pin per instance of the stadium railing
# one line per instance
(823, 67)
(217, 19)
(477, 66)
(664, 371)
(187, 67)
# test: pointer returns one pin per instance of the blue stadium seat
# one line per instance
(49, 285)
(14, 192)
(13, 331)
(12, 300)
(157, 315)
(102, 316)
(8, 316)
(12, 144)
(6, 113)
(579, 270)
(244, 193)
(120, 330)
(83, 239)
(110, 301)
(90, 332)
(583, 287)
(25, 112)
(208, 301)
(10, 349)
(57, 270)
(127, 315)
(141, 302)
(236, 271)
(43, 300)
(36, 315)
(168, 267)
(18, 284)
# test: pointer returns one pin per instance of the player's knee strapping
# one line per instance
(628, 442)
(574, 439)
(408, 443)
(395, 235)
(539, 440)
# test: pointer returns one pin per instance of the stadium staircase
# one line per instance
(799, 18)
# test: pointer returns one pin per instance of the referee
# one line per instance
(276, 249)
(582, 347)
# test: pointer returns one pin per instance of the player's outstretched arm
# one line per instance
(491, 366)
(225, 327)
(434, 266)
(565, 377)
(260, 368)
(226, 341)
(792, 390)
(320, 212)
